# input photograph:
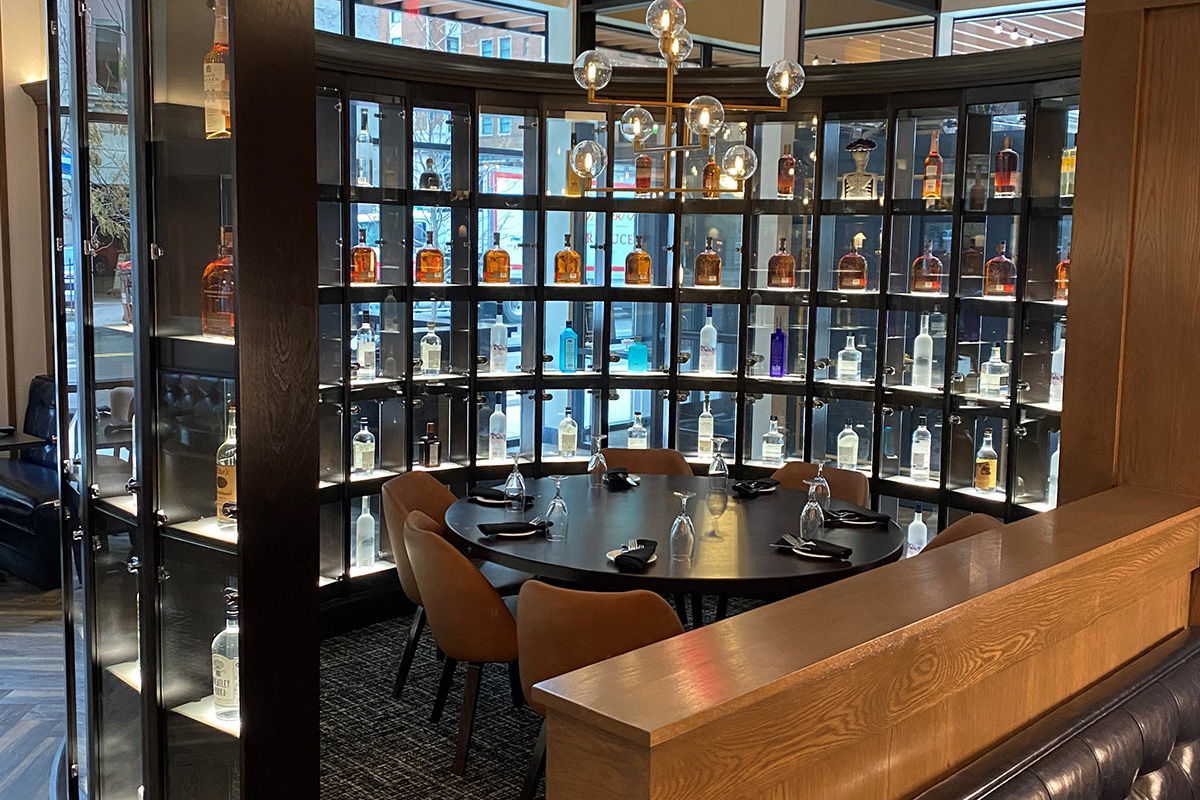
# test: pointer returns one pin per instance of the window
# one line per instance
(451, 44)
(505, 126)
(488, 125)
(485, 48)
(982, 34)
(857, 48)
(506, 47)
(108, 57)
(448, 26)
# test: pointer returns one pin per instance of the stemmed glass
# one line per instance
(683, 532)
(514, 488)
(556, 513)
(812, 520)
(718, 472)
(597, 465)
(818, 488)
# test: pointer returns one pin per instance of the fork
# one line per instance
(632, 544)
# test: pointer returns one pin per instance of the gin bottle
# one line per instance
(847, 447)
(986, 463)
(922, 445)
(638, 437)
(922, 373)
(778, 353)
(431, 351)
(849, 361)
(366, 350)
(498, 347)
(639, 356)
(918, 533)
(1057, 362)
(364, 538)
(704, 428)
(993, 375)
(226, 693)
(498, 431)
(708, 344)
(227, 472)
(568, 347)
(568, 436)
(772, 443)
(363, 449)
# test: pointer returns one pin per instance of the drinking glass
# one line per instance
(718, 471)
(717, 501)
(683, 532)
(818, 488)
(556, 513)
(514, 489)
(597, 466)
(812, 520)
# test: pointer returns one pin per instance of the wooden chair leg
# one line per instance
(466, 720)
(680, 607)
(514, 684)
(439, 702)
(697, 610)
(722, 608)
(537, 766)
(410, 650)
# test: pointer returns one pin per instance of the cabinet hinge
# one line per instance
(83, 9)
(156, 252)
(59, 244)
(96, 545)
(77, 535)
(53, 28)
(163, 575)
(87, 248)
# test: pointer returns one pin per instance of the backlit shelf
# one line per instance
(377, 567)
(205, 711)
(208, 528)
(128, 673)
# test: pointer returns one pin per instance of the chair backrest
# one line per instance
(403, 494)
(120, 403)
(560, 630)
(845, 484)
(653, 461)
(41, 420)
(468, 618)
(964, 528)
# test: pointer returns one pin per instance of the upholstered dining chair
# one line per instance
(652, 461)
(468, 618)
(420, 491)
(845, 484)
(560, 630)
(964, 529)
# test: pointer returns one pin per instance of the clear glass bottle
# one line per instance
(781, 268)
(708, 265)
(931, 185)
(772, 443)
(568, 436)
(364, 261)
(1052, 480)
(708, 344)
(390, 313)
(711, 178)
(993, 375)
(498, 430)
(922, 371)
(778, 361)
(986, 464)
(1005, 172)
(429, 180)
(364, 537)
(847, 447)
(568, 347)
(363, 450)
(922, 448)
(431, 262)
(225, 648)
(704, 428)
(1058, 360)
(639, 356)
(496, 262)
(926, 272)
(566, 263)
(216, 77)
(849, 361)
(431, 350)
(429, 447)
(852, 271)
(364, 167)
(498, 343)
(999, 274)
(638, 435)
(227, 472)
(643, 169)
(786, 181)
(637, 265)
(918, 533)
(367, 350)
(216, 289)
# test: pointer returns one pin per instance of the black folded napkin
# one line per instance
(755, 487)
(846, 516)
(487, 493)
(636, 560)
(618, 479)
(497, 528)
(818, 547)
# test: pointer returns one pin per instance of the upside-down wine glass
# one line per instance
(818, 488)
(556, 513)
(597, 465)
(514, 489)
(683, 532)
(718, 471)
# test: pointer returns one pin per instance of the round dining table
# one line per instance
(733, 554)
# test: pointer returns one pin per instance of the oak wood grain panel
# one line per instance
(617, 769)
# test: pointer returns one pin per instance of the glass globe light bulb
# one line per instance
(740, 162)
(785, 78)
(666, 16)
(592, 70)
(589, 159)
(636, 124)
(676, 48)
(705, 115)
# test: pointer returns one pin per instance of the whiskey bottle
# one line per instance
(849, 361)
(568, 436)
(704, 428)
(568, 347)
(708, 344)
(429, 447)
(852, 271)
(566, 263)
(931, 185)
(429, 180)
(1058, 360)
(637, 265)
(227, 472)
(847, 447)
(711, 178)
(364, 261)
(496, 262)
(772, 443)
(1066, 177)
(977, 194)
(972, 259)
(1062, 277)
(639, 356)
(216, 78)
(431, 263)
(999, 274)
(986, 463)
(431, 350)
(216, 285)
(993, 375)
(643, 169)
(786, 183)
(364, 538)
(922, 446)
(926, 272)
(364, 165)
(781, 268)
(638, 436)
(366, 347)
(498, 430)
(922, 372)
(778, 361)
(363, 450)
(226, 689)
(1005, 170)
(708, 265)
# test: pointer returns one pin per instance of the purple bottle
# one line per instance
(778, 353)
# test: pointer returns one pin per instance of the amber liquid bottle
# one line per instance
(712, 179)
(566, 264)
(643, 169)
(931, 185)
(1006, 170)
(708, 266)
(786, 183)
(364, 261)
(576, 184)
(496, 263)
(637, 265)
(431, 263)
(1062, 278)
(999, 274)
(216, 78)
(926, 272)
(781, 268)
(216, 309)
(977, 196)
(852, 271)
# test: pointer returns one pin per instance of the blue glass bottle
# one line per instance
(778, 353)
(639, 356)
(568, 349)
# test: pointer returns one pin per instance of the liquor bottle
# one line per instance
(1066, 178)
(708, 265)
(704, 428)
(1005, 170)
(226, 689)
(638, 437)
(566, 263)
(216, 287)
(922, 373)
(918, 533)
(365, 338)
(786, 184)
(227, 472)
(498, 430)
(711, 178)
(708, 344)
(363, 450)
(778, 361)
(1058, 361)
(431, 263)
(852, 271)
(993, 375)
(999, 274)
(977, 195)
(972, 259)
(781, 268)
(364, 538)
(389, 369)
(390, 313)
(216, 78)
(498, 345)
(1052, 480)
(364, 166)
(643, 168)
(847, 447)
(429, 179)
(429, 447)
(931, 186)
(364, 261)
(568, 347)
(926, 272)
(922, 446)
(431, 350)
(772, 443)
(1062, 277)
(637, 265)
(568, 435)
(496, 263)
(986, 463)
(849, 361)
(574, 187)
(639, 356)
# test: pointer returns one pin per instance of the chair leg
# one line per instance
(537, 766)
(466, 720)
(722, 608)
(697, 610)
(514, 684)
(680, 607)
(410, 650)
(439, 702)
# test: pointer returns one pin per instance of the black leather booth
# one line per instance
(1133, 736)
(29, 532)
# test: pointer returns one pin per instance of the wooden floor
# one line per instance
(32, 693)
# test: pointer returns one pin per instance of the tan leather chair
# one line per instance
(963, 529)
(845, 484)
(420, 491)
(653, 461)
(469, 620)
(561, 630)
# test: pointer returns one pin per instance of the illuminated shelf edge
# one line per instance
(208, 528)
(129, 673)
(204, 711)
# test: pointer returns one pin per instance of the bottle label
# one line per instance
(364, 457)
(570, 356)
(431, 357)
(498, 360)
(985, 474)
(225, 681)
(708, 358)
(849, 369)
(364, 535)
(992, 384)
(433, 454)
(226, 492)
(366, 358)
(920, 459)
(566, 443)
(847, 456)
(636, 443)
(772, 451)
(498, 445)
(216, 98)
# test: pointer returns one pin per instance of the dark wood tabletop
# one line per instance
(732, 556)
(20, 441)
